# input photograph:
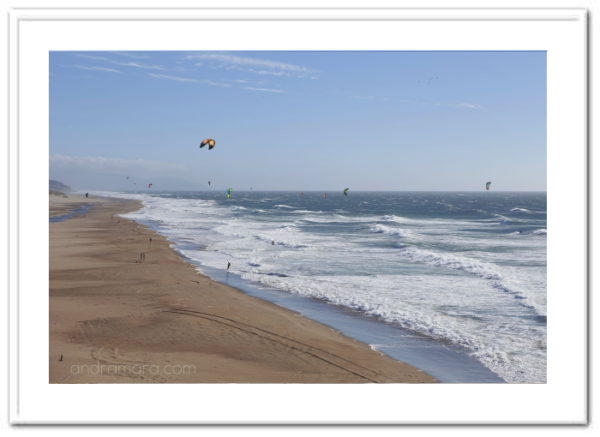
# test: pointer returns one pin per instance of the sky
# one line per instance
(300, 120)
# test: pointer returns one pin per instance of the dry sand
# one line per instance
(117, 319)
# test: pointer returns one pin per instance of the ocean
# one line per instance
(464, 269)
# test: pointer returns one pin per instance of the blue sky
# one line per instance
(299, 120)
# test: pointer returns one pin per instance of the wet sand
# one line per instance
(126, 308)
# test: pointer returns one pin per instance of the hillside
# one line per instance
(59, 186)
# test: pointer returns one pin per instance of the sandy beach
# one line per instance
(126, 308)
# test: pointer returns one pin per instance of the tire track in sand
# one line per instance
(327, 357)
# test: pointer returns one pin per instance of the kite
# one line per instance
(487, 186)
(149, 185)
(346, 191)
(210, 142)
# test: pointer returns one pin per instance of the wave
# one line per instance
(472, 266)
(457, 323)
(277, 242)
(306, 211)
(535, 232)
(504, 219)
(388, 230)
(276, 237)
(383, 229)
(464, 264)
(394, 218)
(425, 221)
(336, 218)
(527, 211)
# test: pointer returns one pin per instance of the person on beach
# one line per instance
(228, 265)
(86, 195)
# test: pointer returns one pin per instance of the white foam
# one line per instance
(395, 218)
(455, 262)
(426, 221)
(376, 347)
(388, 230)
(450, 309)
(306, 211)
(335, 218)
(505, 219)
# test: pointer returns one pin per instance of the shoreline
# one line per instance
(125, 307)
(443, 360)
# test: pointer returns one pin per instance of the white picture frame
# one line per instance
(33, 32)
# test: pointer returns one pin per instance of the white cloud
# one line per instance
(252, 65)
(266, 90)
(138, 65)
(470, 106)
(94, 68)
(247, 82)
(213, 83)
(458, 105)
(131, 55)
(175, 78)
(133, 64)
(93, 57)
(189, 79)
(114, 165)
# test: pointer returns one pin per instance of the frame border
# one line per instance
(18, 14)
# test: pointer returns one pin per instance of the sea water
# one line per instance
(462, 268)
